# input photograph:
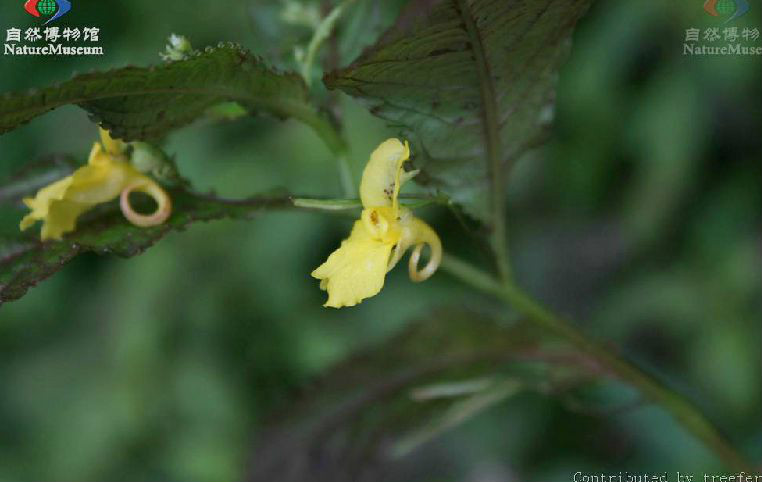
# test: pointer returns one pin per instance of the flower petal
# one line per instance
(383, 177)
(102, 179)
(62, 218)
(41, 202)
(112, 146)
(356, 270)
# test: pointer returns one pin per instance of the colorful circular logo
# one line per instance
(726, 7)
(47, 8)
(730, 9)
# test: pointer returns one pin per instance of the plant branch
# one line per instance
(410, 202)
(504, 289)
(327, 132)
(681, 409)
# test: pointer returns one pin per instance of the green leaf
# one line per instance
(470, 82)
(370, 411)
(138, 103)
(25, 261)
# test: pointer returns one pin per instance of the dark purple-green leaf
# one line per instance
(470, 82)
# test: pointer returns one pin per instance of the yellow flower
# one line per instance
(106, 176)
(382, 235)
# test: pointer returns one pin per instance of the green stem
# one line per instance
(499, 235)
(680, 408)
(331, 137)
(410, 202)
(496, 169)
(322, 127)
(322, 33)
(345, 175)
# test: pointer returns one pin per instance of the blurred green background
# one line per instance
(640, 219)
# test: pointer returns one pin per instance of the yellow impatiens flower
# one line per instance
(107, 175)
(382, 235)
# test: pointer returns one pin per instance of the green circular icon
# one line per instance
(726, 7)
(47, 7)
